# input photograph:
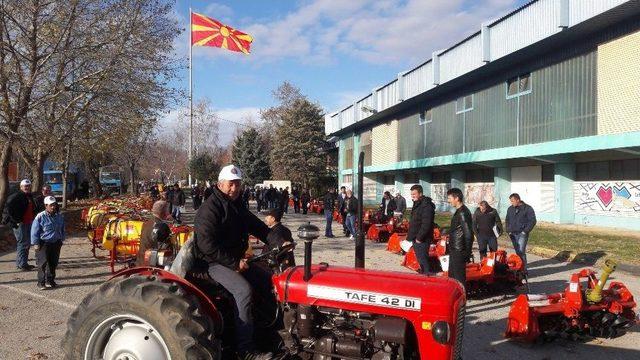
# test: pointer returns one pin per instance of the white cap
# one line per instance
(230, 172)
(49, 200)
(25, 182)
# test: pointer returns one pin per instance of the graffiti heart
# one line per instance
(605, 194)
(622, 191)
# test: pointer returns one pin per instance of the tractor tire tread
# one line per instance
(180, 310)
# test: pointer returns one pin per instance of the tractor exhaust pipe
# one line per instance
(307, 260)
(308, 233)
(359, 232)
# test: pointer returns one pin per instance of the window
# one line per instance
(411, 178)
(347, 179)
(441, 178)
(388, 180)
(464, 104)
(426, 116)
(519, 85)
(365, 146)
(347, 160)
(548, 173)
(479, 176)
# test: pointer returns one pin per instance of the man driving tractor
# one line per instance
(222, 227)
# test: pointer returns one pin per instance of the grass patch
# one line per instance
(588, 246)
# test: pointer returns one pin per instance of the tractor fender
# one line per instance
(190, 288)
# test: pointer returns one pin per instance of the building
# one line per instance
(544, 101)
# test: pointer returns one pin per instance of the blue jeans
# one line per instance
(422, 255)
(519, 241)
(176, 212)
(483, 241)
(351, 224)
(328, 214)
(23, 242)
(241, 286)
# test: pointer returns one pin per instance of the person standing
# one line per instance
(195, 196)
(47, 235)
(342, 209)
(178, 201)
(38, 199)
(208, 190)
(19, 212)
(460, 236)
(388, 205)
(485, 219)
(329, 201)
(259, 195)
(246, 195)
(421, 226)
(295, 193)
(401, 204)
(285, 200)
(351, 208)
(305, 197)
(521, 219)
(169, 194)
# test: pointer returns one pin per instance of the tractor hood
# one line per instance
(390, 293)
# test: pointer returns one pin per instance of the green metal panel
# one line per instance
(411, 137)
(562, 103)
(444, 133)
(492, 122)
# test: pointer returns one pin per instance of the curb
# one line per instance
(568, 256)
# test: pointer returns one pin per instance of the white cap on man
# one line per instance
(25, 182)
(230, 172)
(49, 200)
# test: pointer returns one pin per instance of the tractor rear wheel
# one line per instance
(137, 318)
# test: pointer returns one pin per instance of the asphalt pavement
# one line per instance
(33, 321)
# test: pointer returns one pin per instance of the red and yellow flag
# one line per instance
(206, 31)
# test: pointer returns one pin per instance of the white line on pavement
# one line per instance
(27, 292)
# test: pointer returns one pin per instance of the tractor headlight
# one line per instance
(441, 332)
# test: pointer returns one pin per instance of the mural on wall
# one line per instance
(474, 193)
(439, 195)
(607, 198)
(368, 189)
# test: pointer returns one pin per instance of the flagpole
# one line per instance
(190, 96)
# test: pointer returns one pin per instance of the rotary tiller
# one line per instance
(381, 230)
(437, 248)
(584, 308)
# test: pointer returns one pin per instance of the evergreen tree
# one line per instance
(204, 167)
(296, 152)
(250, 154)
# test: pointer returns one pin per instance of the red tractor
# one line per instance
(321, 312)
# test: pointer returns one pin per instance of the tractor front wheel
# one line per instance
(138, 318)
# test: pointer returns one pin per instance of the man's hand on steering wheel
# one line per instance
(243, 265)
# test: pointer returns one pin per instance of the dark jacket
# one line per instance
(15, 208)
(329, 201)
(461, 232)
(351, 205)
(222, 229)
(305, 198)
(483, 222)
(422, 216)
(207, 192)
(390, 208)
(401, 204)
(278, 235)
(155, 234)
(38, 200)
(520, 218)
(178, 198)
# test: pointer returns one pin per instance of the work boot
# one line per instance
(254, 355)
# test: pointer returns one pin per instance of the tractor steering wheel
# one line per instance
(273, 254)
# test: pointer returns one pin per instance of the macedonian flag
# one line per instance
(206, 31)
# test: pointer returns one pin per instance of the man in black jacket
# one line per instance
(421, 226)
(38, 199)
(19, 212)
(351, 208)
(388, 205)
(329, 202)
(520, 221)
(485, 218)
(178, 200)
(278, 236)
(460, 236)
(222, 228)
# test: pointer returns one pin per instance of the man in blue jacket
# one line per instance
(47, 235)
(520, 221)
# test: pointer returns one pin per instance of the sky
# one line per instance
(335, 51)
